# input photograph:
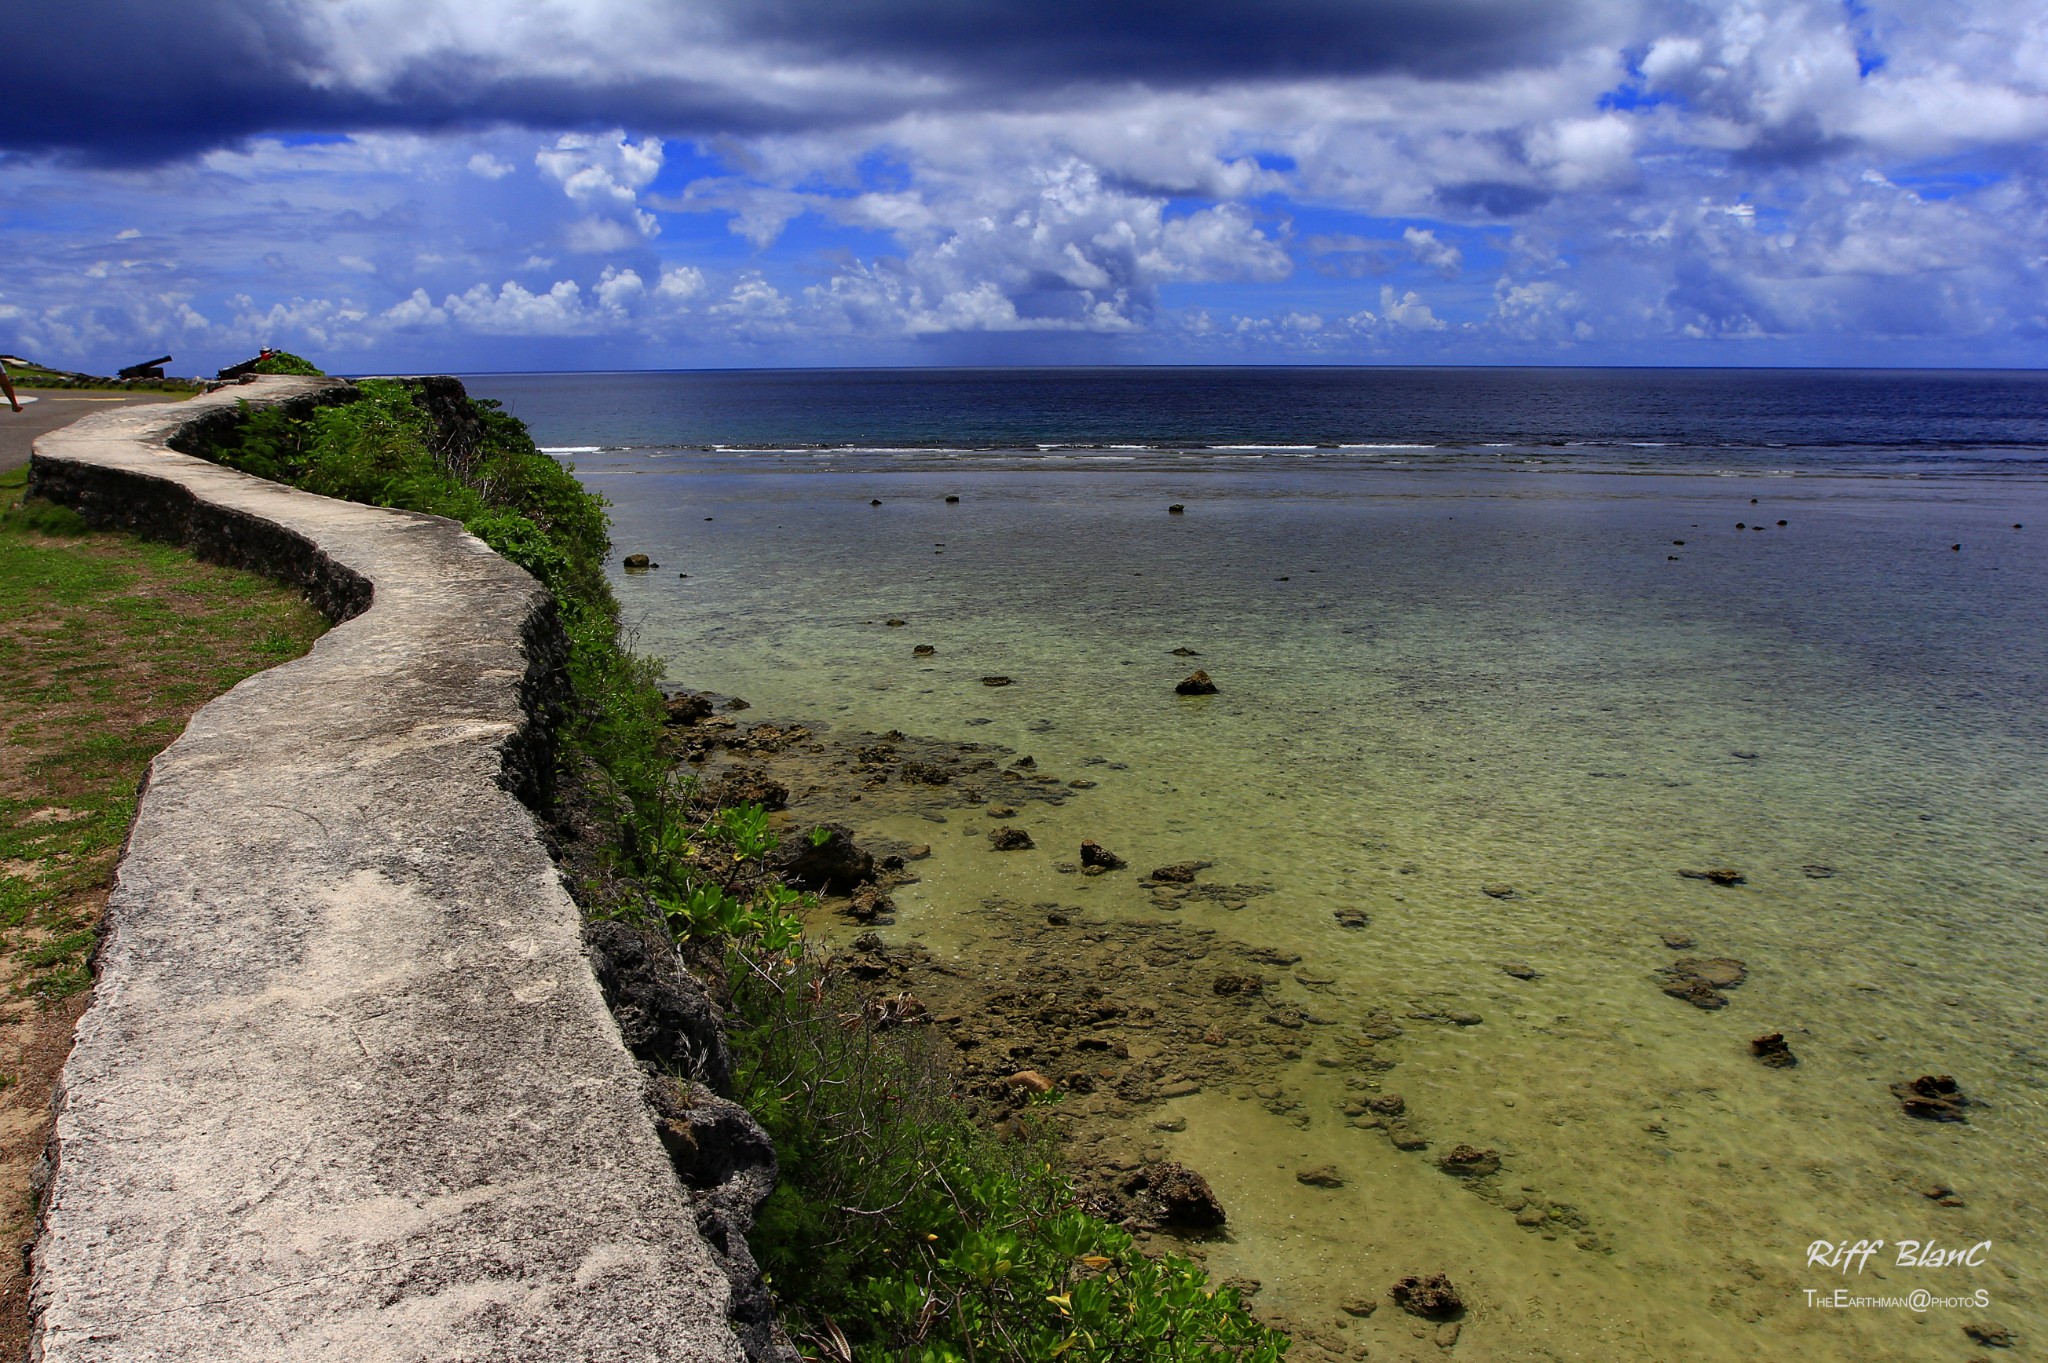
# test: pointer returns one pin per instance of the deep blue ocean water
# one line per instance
(1883, 422)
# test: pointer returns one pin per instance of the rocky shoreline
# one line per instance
(1113, 1016)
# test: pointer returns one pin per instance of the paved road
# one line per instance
(51, 409)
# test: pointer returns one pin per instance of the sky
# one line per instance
(407, 185)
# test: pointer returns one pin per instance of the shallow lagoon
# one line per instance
(1438, 681)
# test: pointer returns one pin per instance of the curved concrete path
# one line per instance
(347, 1089)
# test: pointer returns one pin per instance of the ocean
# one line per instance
(1500, 655)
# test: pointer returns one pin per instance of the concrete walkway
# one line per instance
(347, 1090)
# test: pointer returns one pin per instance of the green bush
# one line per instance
(284, 362)
(905, 1230)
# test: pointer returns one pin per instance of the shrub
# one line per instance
(284, 362)
(911, 1232)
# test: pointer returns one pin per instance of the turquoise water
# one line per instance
(1434, 682)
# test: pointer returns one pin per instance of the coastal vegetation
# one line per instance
(107, 646)
(902, 1227)
(31, 375)
(284, 362)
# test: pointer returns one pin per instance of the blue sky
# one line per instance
(646, 184)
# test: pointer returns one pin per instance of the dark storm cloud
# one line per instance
(130, 82)
(134, 82)
(1169, 43)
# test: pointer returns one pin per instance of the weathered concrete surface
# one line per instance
(347, 1090)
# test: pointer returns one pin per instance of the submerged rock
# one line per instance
(1322, 1176)
(1095, 855)
(1700, 980)
(1008, 839)
(1498, 890)
(1432, 1298)
(869, 903)
(1469, 1161)
(1932, 1097)
(1196, 683)
(1185, 653)
(1772, 1049)
(1352, 918)
(923, 651)
(1520, 971)
(1722, 972)
(996, 681)
(1180, 872)
(1716, 875)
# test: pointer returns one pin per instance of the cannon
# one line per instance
(148, 369)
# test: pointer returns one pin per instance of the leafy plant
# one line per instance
(284, 362)
(915, 1233)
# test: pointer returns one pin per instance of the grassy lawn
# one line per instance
(107, 646)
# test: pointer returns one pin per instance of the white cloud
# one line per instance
(752, 298)
(604, 173)
(680, 283)
(619, 290)
(415, 310)
(599, 236)
(1440, 256)
(1786, 170)
(1408, 310)
(515, 311)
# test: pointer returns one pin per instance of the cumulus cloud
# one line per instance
(1439, 256)
(1627, 172)
(604, 173)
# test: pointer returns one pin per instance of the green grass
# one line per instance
(106, 645)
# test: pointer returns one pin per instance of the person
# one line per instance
(7, 386)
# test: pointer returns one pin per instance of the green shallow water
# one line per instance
(1482, 680)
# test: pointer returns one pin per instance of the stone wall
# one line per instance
(348, 1089)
